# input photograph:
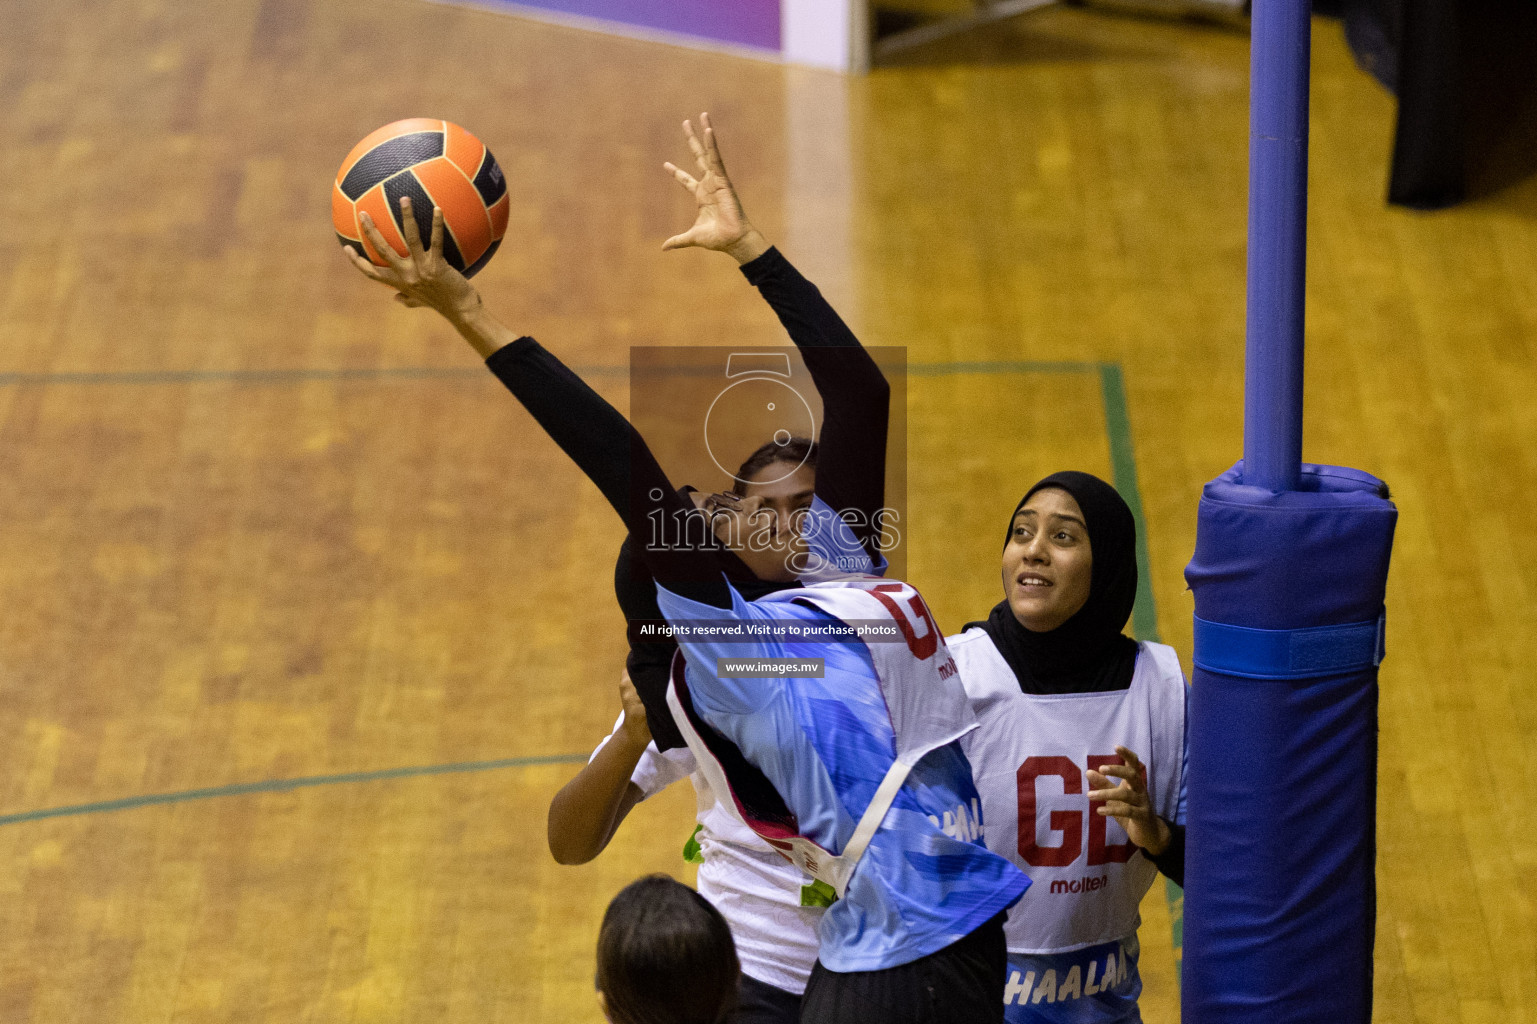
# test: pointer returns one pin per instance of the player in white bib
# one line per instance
(1080, 755)
(755, 888)
(764, 898)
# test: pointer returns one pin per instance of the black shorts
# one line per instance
(761, 1003)
(960, 984)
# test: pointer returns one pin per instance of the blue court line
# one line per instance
(284, 785)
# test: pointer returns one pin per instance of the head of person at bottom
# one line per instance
(761, 520)
(665, 956)
(1069, 569)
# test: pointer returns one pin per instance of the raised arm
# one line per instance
(856, 398)
(598, 439)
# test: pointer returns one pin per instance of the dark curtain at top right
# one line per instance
(1465, 72)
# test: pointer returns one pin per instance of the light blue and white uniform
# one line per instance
(1072, 938)
(826, 746)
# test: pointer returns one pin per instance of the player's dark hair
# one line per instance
(665, 956)
(796, 451)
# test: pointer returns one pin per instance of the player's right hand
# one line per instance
(422, 277)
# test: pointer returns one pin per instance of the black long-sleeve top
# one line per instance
(856, 399)
(850, 473)
(1172, 860)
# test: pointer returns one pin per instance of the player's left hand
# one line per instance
(635, 728)
(721, 225)
(422, 277)
(1126, 800)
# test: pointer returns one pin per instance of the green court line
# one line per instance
(284, 785)
(1123, 469)
(1144, 614)
(414, 373)
(1123, 466)
(999, 366)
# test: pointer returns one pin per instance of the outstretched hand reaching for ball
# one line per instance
(421, 277)
(721, 224)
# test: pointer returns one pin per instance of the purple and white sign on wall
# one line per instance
(748, 23)
(830, 34)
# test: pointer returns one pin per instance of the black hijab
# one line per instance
(1087, 653)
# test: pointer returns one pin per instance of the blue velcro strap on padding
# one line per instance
(1288, 653)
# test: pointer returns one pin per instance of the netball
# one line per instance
(435, 163)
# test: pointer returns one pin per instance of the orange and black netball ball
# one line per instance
(436, 163)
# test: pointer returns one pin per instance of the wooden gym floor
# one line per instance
(270, 543)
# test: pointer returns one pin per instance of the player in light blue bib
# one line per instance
(855, 772)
